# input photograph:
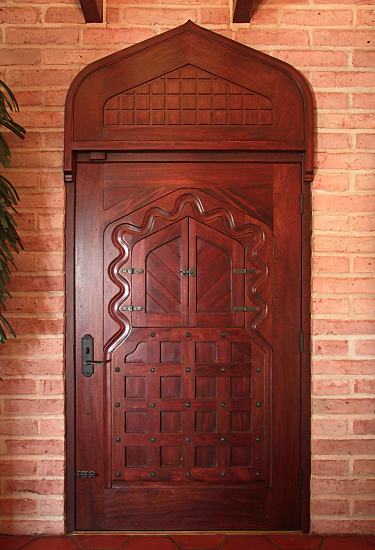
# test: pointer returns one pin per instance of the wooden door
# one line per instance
(187, 161)
(194, 302)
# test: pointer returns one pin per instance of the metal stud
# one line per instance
(187, 404)
(153, 369)
(258, 404)
(222, 404)
(152, 439)
(188, 334)
(118, 474)
(153, 334)
(257, 474)
(188, 439)
(257, 439)
(222, 439)
(152, 405)
(223, 369)
(118, 439)
(188, 369)
(188, 474)
(117, 369)
(222, 474)
(117, 404)
(258, 369)
(224, 334)
(153, 474)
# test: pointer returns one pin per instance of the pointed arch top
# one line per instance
(189, 88)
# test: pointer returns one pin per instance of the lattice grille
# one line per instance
(188, 97)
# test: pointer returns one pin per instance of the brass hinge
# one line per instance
(132, 270)
(86, 473)
(131, 308)
(302, 203)
(245, 308)
(301, 341)
(188, 272)
(241, 271)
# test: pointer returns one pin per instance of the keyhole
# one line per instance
(87, 351)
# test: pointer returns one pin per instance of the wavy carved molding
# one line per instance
(120, 239)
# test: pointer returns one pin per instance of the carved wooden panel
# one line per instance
(189, 97)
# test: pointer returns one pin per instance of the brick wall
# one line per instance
(44, 44)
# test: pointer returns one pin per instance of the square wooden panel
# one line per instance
(240, 456)
(171, 457)
(136, 421)
(240, 386)
(206, 457)
(205, 421)
(205, 352)
(205, 387)
(135, 387)
(170, 352)
(136, 457)
(170, 387)
(240, 421)
(170, 422)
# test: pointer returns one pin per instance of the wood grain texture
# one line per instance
(188, 273)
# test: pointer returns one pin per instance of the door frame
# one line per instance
(96, 149)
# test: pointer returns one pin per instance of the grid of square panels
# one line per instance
(188, 97)
(188, 414)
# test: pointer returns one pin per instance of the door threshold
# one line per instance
(166, 533)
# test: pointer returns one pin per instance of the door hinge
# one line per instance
(86, 473)
(131, 308)
(132, 270)
(245, 308)
(302, 203)
(188, 272)
(241, 271)
(301, 341)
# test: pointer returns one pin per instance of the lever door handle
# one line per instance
(88, 363)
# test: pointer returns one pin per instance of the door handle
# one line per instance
(87, 343)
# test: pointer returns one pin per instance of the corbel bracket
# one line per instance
(92, 10)
(242, 11)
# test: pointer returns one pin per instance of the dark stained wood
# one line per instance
(92, 10)
(242, 11)
(201, 403)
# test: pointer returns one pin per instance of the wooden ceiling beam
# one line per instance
(242, 11)
(92, 10)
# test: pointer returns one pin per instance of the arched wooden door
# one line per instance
(187, 383)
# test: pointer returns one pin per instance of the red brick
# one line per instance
(51, 468)
(349, 79)
(51, 387)
(364, 427)
(331, 305)
(341, 37)
(330, 387)
(51, 507)
(34, 406)
(331, 347)
(214, 15)
(343, 486)
(51, 262)
(54, 139)
(52, 427)
(334, 141)
(28, 35)
(42, 283)
(164, 16)
(38, 326)
(331, 182)
(59, 56)
(366, 17)
(263, 16)
(343, 366)
(39, 77)
(338, 326)
(19, 15)
(344, 120)
(17, 387)
(29, 98)
(354, 161)
(329, 426)
(344, 526)
(37, 527)
(64, 15)
(51, 304)
(343, 406)
(30, 56)
(34, 348)
(344, 285)
(365, 347)
(344, 244)
(343, 446)
(35, 447)
(329, 467)
(365, 141)
(41, 119)
(9, 506)
(41, 487)
(46, 199)
(329, 507)
(36, 159)
(331, 100)
(20, 367)
(364, 101)
(363, 305)
(330, 264)
(116, 36)
(363, 58)
(365, 385)
(315, 58)
(363, 223)
(276, 37)
(363, 466)
(55, 98)
(17, 467)
(51, 221)
(365, 182)
(18, 427)
(24, 304)
(316, 17)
